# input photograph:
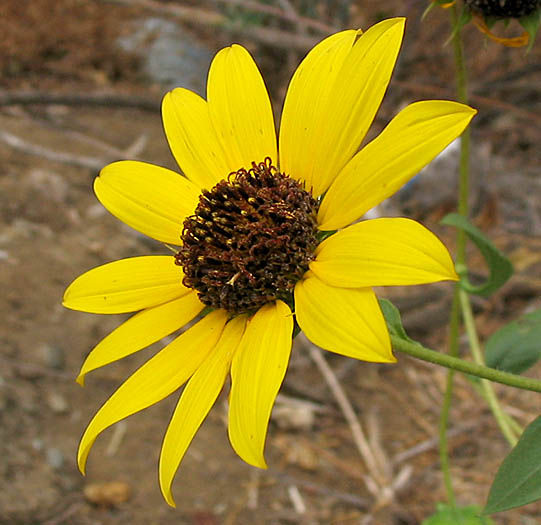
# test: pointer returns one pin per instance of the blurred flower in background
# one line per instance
(486, 13)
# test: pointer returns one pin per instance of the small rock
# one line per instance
(170, 55)
(37, 444)
(55, 458)
(57, 403)
(53, 356)
(27, 399)
(50, 184)
(293, 414)
(107, 494)
(28, 230)
(95, 211)
(297, 452)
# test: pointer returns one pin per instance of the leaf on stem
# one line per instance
(518, 480)
(499, 265)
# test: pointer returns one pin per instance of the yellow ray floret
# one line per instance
(257, 372)
(410, 141)
(383, 252)
(124, 187)
(347, 321)
(126, 285)
(192, 138)
(339, 122)
(240, 108)
(196, 401)
(166, 372)
(142, 330)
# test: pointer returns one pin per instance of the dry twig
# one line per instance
(351, 499)
(377, 482)
(108, 100)
(39, 151)
(80, 161)
(284, 14)
(196, 16)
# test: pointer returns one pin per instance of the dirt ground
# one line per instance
(52, 229)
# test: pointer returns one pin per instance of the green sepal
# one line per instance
(432, 5)
(518, 480)
(531, 23)
(429, 8)
(449, 515)
(393, 320)
(516, 346)
(322, 235)
(490, 21)
(499, 265)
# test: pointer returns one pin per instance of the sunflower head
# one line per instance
(254, 251)
(250, 240)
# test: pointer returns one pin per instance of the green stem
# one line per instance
(512, 422)
(447, 398)
(462, 95)
(431, 356)
(477, 353)
(463, 193)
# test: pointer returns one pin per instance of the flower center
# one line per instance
(250, 239)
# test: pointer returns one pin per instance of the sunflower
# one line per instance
(267, 236)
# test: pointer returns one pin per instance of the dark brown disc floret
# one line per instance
(250, 239)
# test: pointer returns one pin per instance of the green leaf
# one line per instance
(518, 480)
(499, 265)
(448, 515)
(516, 346)
(393, 319)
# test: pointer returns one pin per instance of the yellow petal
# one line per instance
(309, 94)
(156, 379)
(126, 285)
(383, 252)
(195, 403)
(347, 321)
(411, 140)
(257, 372)
(192, 138)
(240, 108)
(151, 199)
(142, 330)
(322, 135)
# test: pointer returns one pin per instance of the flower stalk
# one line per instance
(476, 351)
(455, 363)
(463, 194)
